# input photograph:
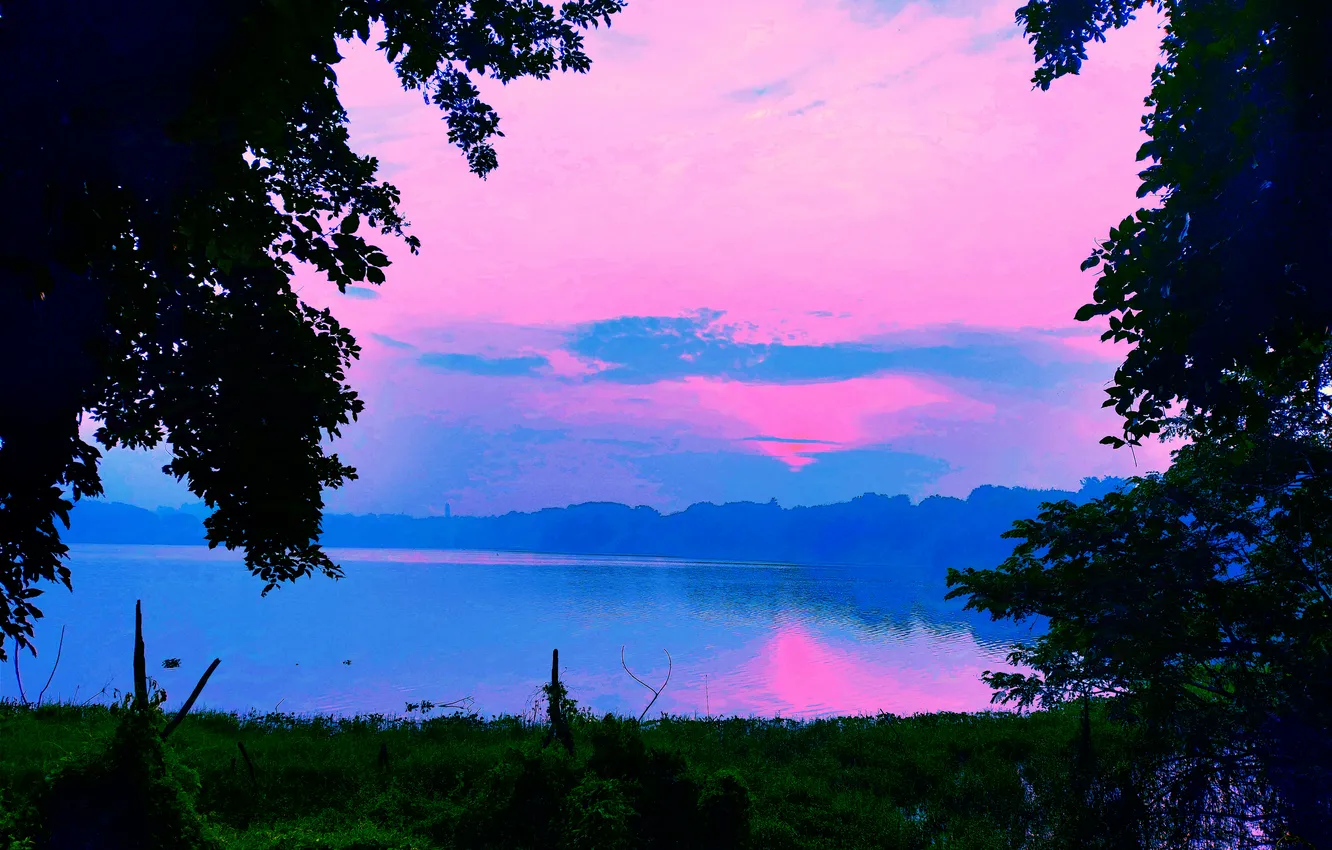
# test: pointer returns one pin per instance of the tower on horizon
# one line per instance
(447, 512)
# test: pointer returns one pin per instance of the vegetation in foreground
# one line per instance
(990, 780)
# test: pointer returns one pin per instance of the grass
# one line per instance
(989, 780)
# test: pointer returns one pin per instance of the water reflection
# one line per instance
(745, 639)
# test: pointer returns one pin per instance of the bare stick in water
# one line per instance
(559, 724)
(189, 703)
(140, 667)
(656, 692)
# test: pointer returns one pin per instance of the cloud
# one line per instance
(730, 476)
(763, 438)
(774, 90)
(809, 107)
(893, 244)
(648, 349)
(389, 341)
(494, 367)
(361, 292)
(482, 469)
(878, 11)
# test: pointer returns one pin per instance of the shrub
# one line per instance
(598, 816)
(724, 808)
(132, 795)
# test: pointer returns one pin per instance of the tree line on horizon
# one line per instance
(933, 533)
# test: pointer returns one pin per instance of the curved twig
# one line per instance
(60, 648)
(18, 677)
(100, 693)
(656, 692)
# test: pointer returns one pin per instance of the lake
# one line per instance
(744, 639)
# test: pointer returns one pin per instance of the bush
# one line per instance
(724, 808)
(598, 816)
(519, 801)
(133, 795)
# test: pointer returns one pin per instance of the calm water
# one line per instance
(745, 639)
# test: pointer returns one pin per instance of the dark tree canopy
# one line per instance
(1224, 289)
(164, 165)
(1198, 602)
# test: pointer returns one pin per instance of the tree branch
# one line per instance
(656, 692)
(189, 703)
(59, 648)
(18, 677)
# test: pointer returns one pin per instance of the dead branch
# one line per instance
(426, 706)
(140, 666)
(249, 765)
(189, 703)
(559, 724)
(18, 677)
(100, 693)
(59, 648)
(656, 692)
(461, 702)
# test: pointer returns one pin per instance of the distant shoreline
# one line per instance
(503, 551)
(871, 530)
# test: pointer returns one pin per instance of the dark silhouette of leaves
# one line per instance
(165, 166)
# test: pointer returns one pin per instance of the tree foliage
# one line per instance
(1222, 289)
(165, 166)
(1198, 601)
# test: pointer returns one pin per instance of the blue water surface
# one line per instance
(765, 640)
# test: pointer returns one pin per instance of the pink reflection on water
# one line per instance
(797, 673)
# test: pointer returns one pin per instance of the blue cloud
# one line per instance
(647, 349)
(475, 364)
(392, 343)
(878, 11)
(775, 89)
(361, 292)
(809, 107)
(764, 438)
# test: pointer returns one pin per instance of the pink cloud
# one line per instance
(921, 190)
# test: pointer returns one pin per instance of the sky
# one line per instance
(791, 249)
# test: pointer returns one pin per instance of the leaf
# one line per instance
(350, 224)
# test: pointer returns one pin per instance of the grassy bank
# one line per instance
(944, 780)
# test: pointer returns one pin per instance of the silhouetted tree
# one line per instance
(163, 166)
(1223, 289)
(1198, 601)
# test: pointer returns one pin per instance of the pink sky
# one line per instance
(832, 179)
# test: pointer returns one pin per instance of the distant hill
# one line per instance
(935, 533)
